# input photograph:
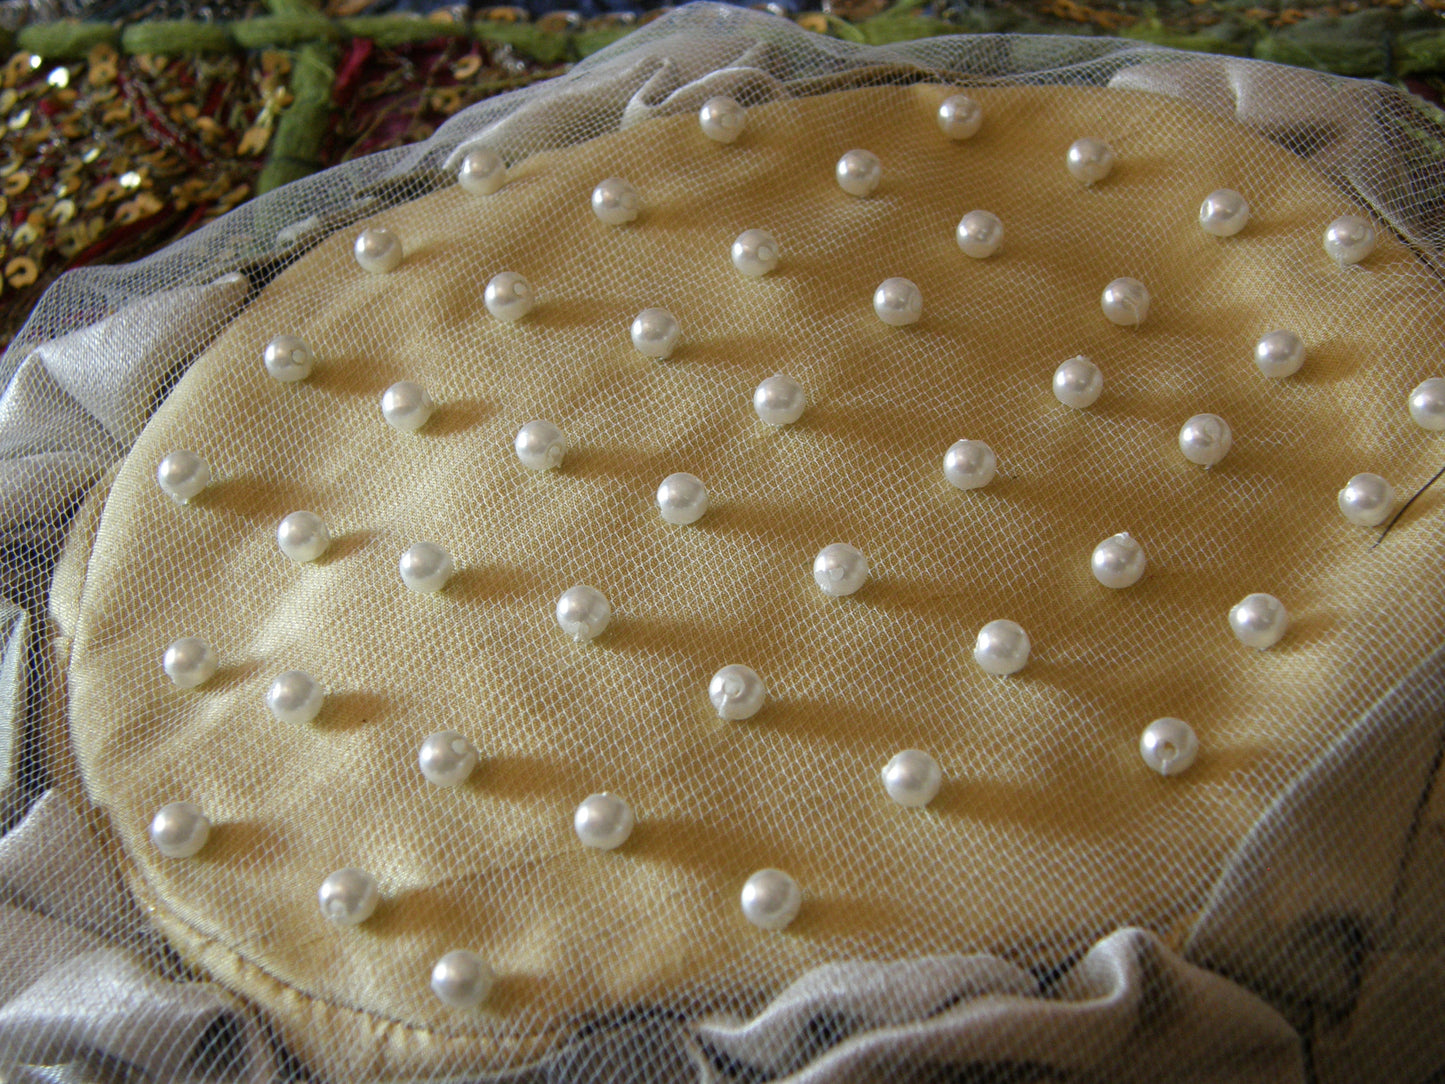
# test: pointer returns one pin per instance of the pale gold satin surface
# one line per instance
(1049, 829)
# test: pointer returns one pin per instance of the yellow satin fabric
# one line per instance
(1049, 829)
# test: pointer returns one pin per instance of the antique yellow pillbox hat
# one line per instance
(761, 532)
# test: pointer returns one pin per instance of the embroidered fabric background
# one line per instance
(1050, 834)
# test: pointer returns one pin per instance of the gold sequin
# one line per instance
(466, 67)
(255, 140)
(143, 206)
(63, 211)
(21, 272)
(17, 182)
(102, 68)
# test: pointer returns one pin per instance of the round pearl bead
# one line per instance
(959, 117)
(603, 821)
(302, 536)
(540, 445)
(1258, 621)
(509, 296)
(378, 250)
(615, 202)
(898, 302)
(1078, 383)
(840, 569)
(1118, 562)
(183, 475)
(1427, 404)
(859, 172)
(189, 662)
(1090, 160)
(771, 899)
(288, 358)
(737, 692)
(969, 464)
(722, 119)
(462, 979)
(655, 332)
(348, 897)
(1205, 439)
(1349, 239)
(425, 567)
(447, 759)
(755, 253)
(180, 830)
(1367, 500)
(1279, 354)
(682, 498)
(583, 612)
(1125, 302)
(1002, 647)
(483, 171)
(979, 234)
(1223, 213)
(1168, 746)
(912, 778)
(406, 406)
(779, 400)
(295, 698)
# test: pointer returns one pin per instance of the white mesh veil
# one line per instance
(1299, 932)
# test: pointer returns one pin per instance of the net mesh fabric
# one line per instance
(1048, 836)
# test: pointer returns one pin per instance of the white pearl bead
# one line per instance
(1258, 621)
(615, 202)
(603, 821)
(1349, 239)
(755, 253)
(583, 612)
(540, 445)
(722, 119)
(840, 569)
(295, 698)
(180, 830)
(1367, 500)
(979, 234)
(302, 536)
(1279, 354)
(959, 117)
(1118, 561)
(912, 778)
(425, 567)
(288, 358)
(189, 662)
(378, 250)
(771, 899)
(462, 979)
(447, 759)
(655, 332)
(183, 475)
(509, 296)
(348, 897)
(779, 400)
(1125, 302)
(1090, 160)
(1002, 647)
(682, 498)
(898, 302)
(406, 406)
(1168, 745)
(1078, 383)
(969, 464)
(1223, 213)
(483, 171)
(859, 172)
(1427, 404)
(1205, 439)
(737, 692)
